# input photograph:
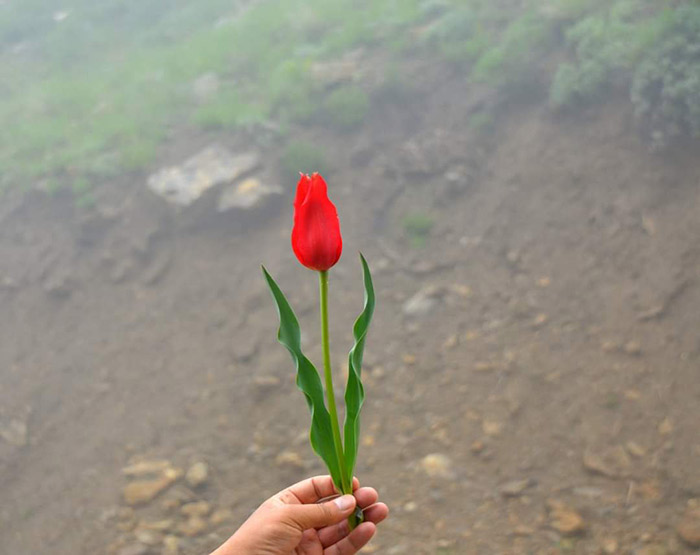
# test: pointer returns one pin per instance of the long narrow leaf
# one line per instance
(354, 392)
(308, 381)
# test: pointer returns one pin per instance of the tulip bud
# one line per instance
(316, 239)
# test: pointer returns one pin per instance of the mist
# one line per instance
(521, 178)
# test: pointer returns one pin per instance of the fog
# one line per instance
(522, 179)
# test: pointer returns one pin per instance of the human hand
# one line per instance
(294, 522)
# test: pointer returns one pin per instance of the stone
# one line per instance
(215, 165)
(515, 488)
(156, 525)
(634, 449)
(437, 465)
(410, 507)
(171, 545)
(565, 520)
(221, 516)
(195, 526)
(14, 432)
(492, 428)
(144, 468)
(666, 426)
(632, 348)
(198, 508)
(148, 537)
(197, 475)
(609, 546)
(688, 528)
(141, 492)
(612, 463)
(423, 302)
(248, 194)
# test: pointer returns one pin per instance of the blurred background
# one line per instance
(524, 180)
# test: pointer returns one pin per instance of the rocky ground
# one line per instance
(531, 374)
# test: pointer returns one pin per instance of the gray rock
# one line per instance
(14, 432)
(215, 165)
(198, 474)
(248, 194)
(423, 302)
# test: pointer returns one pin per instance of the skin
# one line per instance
(294, 522)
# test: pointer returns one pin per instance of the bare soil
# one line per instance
(545, 398)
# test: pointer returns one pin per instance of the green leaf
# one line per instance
(354, 392)
(308, 381)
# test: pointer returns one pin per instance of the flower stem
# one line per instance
(337, 441)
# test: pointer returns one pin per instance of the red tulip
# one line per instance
(316, 239)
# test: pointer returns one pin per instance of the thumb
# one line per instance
(319, 515)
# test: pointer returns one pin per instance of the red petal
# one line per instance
(316, 238)
(302, 189)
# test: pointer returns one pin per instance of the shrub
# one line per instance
(606, 46)
(347, 107)
(512, 62)
(666, 87)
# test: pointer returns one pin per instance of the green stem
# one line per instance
(337, 441)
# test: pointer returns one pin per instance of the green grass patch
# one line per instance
(347, 107)
(304, 157)
(417, 228)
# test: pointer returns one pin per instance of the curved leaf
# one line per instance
(308, 381)
(354, 392)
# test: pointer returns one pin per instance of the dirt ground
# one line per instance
(532, 373)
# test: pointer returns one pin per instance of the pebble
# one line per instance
(198, 508)
(609, 546)
(149, 537)
(666, 426)
(220, 516)
(423, 302)
(171, 545)
(633, 348)
(689, 528)
(564, 519)
(193, 527)
(437, 465)
(143, 491)
(198, 474)
(611, 464)
(410, 507)
(477, 446)
(492, 428)
(156, 525)
(14, 433)
(634, 449)
(515, 487)
(144, 468)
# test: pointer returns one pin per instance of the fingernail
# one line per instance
(345, 502)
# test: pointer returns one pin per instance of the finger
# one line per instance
(320, 515)
(365, 497)
(333, 534)
(309, 490)
(376, 513)
(354, 541)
